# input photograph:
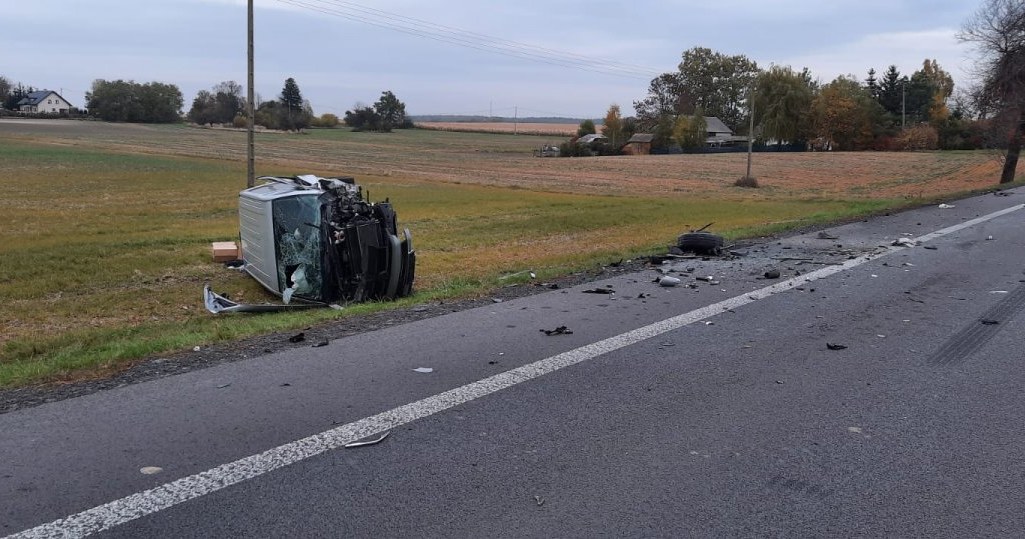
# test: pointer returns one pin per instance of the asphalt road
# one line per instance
(714, 411)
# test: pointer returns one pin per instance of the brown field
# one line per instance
(523, 128)
(473, 158)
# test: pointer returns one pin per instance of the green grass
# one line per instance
(103, 254)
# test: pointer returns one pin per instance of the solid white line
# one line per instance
(117, 512)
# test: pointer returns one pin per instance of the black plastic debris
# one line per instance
(989, 321)
(772, 274)
(827, 236)
(321, 343)
(704, 243)
(298, 337)
(832, 346)
(237, 263)
(561, 330)
(599, 291)
(930, 247)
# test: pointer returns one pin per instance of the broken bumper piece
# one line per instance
(216, 304)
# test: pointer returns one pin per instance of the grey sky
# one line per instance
(66, 44)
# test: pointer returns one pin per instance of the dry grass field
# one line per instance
(523, 128)
(105, 228)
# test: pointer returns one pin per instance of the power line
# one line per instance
(473, 40)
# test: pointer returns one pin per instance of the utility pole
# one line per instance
(250, 109)
(516, 119)
(750, 133)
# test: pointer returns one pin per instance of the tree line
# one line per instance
(791, 108)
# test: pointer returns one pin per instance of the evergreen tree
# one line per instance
(872, 85)
(891, 91)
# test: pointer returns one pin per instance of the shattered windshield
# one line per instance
(297, 244)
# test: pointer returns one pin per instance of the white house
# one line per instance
(46, 101)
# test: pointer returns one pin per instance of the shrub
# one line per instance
(921, 137)
(746, 181)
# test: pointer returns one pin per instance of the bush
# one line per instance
(239, 122)
(572, 149)
(922, 137)
(746, 181)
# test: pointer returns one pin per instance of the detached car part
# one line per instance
(317, 239)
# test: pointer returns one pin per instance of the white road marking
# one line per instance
(117, 512)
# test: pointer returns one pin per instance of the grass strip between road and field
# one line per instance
(104, 254)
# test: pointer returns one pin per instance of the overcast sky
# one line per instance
(337, 61)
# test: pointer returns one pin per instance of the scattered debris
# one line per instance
(642, 295)
(539, 500)
(350, 445)
(150, 470)
(827, 236)
(599, 291)
(530, 273)
(496, 300)
(832, 346)
(668, 281)
(222, 386)
(706, 278)
(298, 337)
(561, 330)
(196, 348)
(998, 291)
(772, 274)
(989, 238)
(946, 206)
(238, 263)
(321, 343)
(903, 242)
(930, 247)
(989, 321)
(424, 370)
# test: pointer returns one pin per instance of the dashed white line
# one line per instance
(117, 512)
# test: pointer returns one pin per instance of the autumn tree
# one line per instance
(612, 128)
(586, 128)
(691, 131)
(997, 30)
(782, 99)
(716, 82)
(844, 114)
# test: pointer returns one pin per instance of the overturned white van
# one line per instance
(318, 240)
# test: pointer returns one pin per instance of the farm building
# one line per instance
(46, 101)
(588, 139)
(639, 144)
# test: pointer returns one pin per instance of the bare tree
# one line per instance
(997, 30)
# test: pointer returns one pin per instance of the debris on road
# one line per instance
(561, 330)
(539, 500)
(832, 346)
(321, 343)
(298, 337)
(700, 242)
(930, 247)
(150, 470)
(989, 321)
(222, 386)
(706, 278)
(945, 206)
(772, 274)
(607, 290)
(903, 242)
(668, 281)
(218, 303)
(827, 236)
(350, 445)
(423, 370)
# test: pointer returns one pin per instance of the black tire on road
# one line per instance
(700, 242)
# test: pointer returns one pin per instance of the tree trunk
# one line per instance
(1013, 149)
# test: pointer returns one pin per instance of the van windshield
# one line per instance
(297, 246)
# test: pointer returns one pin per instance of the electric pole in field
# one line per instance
(250, 109)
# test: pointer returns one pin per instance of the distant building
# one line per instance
(45, 101)
(588, 139)
(639, 144)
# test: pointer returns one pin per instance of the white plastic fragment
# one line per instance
(368, 442)
(668, 281)
(150, 470)
(423, 369)
(946, 206)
